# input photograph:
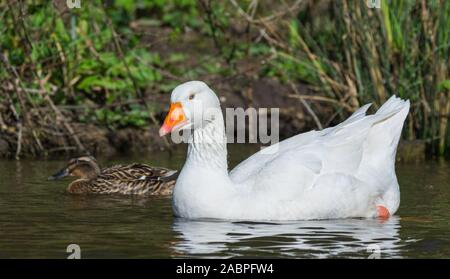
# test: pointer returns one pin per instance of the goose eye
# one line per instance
(191, 96)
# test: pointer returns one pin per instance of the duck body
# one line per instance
(132, 179)
(344, 171)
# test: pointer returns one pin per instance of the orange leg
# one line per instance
(383, 212)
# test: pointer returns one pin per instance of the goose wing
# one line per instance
(276, 153)
(342, 152)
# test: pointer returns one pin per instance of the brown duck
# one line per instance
(133, 179)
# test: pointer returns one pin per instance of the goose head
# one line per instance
(84, 167)
(192, 106)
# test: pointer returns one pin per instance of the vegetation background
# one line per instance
(95, 78)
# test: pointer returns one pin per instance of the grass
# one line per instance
(94, 65)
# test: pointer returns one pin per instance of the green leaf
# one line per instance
(444, 85)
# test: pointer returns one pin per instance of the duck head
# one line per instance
(192, 105)
(84, 167)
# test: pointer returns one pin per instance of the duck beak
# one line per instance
(174, 119)
(61, 174)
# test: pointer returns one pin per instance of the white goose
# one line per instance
(340, 172)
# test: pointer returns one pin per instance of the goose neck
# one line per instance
(207, 146)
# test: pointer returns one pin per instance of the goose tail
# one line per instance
(387, 130)
(381, 143)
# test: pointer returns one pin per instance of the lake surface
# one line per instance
(38, 220)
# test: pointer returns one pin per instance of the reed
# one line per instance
(358, 55)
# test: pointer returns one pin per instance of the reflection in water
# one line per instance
(319, 239)
(38, 220)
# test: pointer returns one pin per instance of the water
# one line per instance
(38, 220)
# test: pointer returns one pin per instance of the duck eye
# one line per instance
(191, 96)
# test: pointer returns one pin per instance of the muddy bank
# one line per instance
(98, 140)
(102, 142)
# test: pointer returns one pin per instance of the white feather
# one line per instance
(339, 172)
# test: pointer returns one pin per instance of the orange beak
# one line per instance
(174, 118)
